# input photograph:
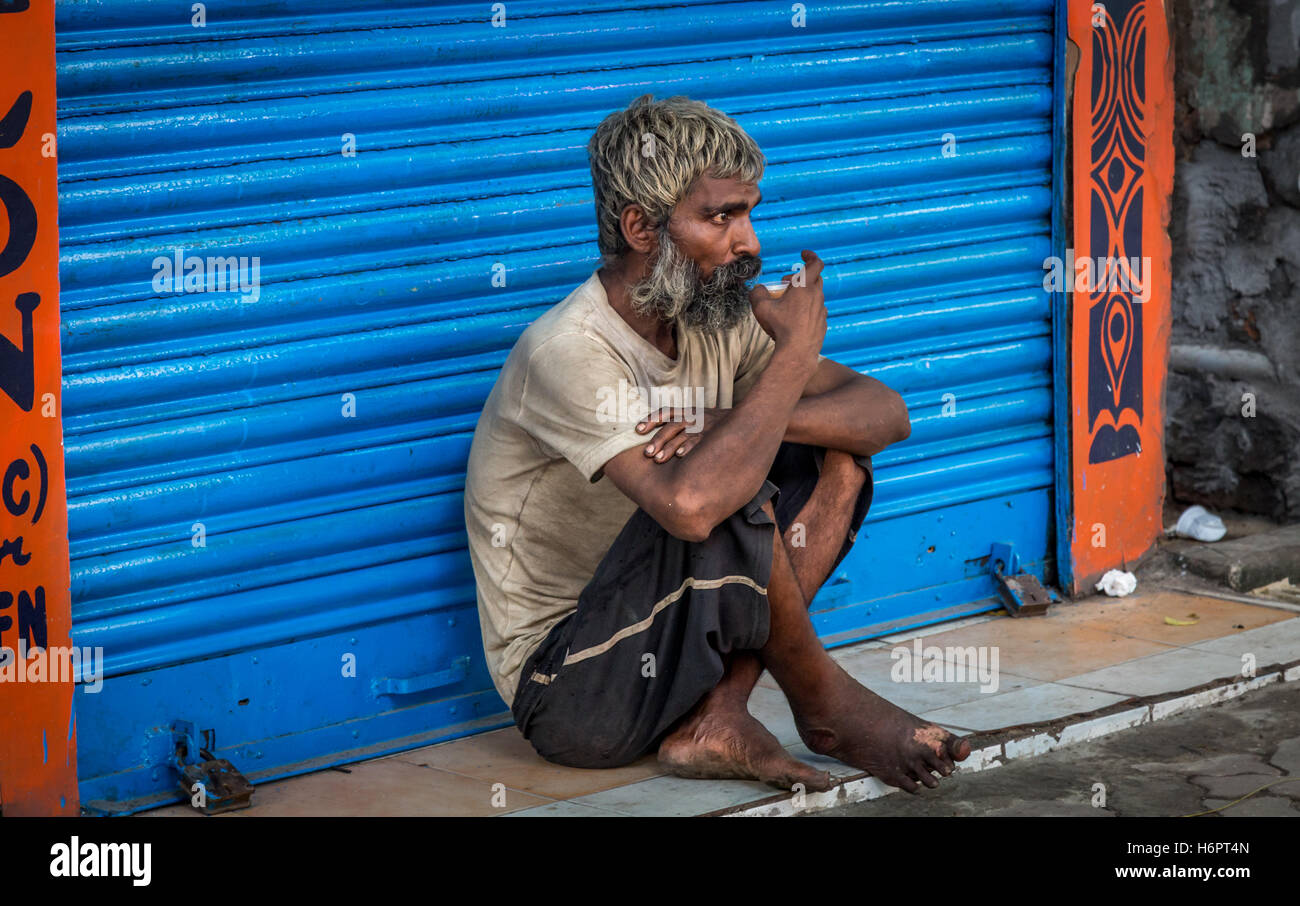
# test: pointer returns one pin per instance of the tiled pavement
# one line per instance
(1078, 658)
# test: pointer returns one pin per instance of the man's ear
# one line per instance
(641, 233)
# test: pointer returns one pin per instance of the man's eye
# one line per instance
(720, 217)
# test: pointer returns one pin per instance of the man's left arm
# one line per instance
(844, 410)
(840, 409)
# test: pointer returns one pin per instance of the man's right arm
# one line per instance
(691, 495)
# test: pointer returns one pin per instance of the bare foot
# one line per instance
(858, 727)
(731, 743)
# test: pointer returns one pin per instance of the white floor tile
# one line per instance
(875, 670)
(1033, 704)
(1271, 644)
(564, 810)
(772, 710)
(670, 796)
(1169, 671)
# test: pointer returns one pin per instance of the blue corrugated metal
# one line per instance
(1063, 516)
(329, 536)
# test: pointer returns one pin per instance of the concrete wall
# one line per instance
(1235, 231)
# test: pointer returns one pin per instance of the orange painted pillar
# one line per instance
(38, 765)
(1121, 143)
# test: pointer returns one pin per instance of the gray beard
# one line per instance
(674, 290)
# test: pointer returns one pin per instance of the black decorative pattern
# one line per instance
(1115, 233)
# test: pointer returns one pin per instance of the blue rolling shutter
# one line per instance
(315, 439)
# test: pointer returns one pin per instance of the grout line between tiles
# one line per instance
(613, 813)
(508, 789)
(1240, 599)
(541, 795)
(1066, 682)
(935, 628)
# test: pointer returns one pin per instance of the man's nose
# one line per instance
(747, 241)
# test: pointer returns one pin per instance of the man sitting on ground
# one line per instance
(635, 575)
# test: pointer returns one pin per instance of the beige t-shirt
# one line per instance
(538, 515)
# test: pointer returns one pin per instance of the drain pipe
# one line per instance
(1229, 363)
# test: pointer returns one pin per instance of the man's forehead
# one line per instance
(710, 191)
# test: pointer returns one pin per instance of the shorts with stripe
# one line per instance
(651, 630)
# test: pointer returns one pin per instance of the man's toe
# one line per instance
(938, 761)
(922, 772)
(906, 784)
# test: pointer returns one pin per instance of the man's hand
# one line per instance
(798, 319)
(690, 495)
(676, 436)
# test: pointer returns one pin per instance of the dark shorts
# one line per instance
(653, 626)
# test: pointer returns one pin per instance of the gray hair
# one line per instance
(652, 153)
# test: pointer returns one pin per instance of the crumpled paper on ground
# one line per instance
(1117, 583)
(1199, 523)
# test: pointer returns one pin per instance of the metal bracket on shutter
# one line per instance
(1022, 593)
(224, 789)
(409, 685)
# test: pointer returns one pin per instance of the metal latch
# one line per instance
(215, 781)
(1022, 593)
(409, 685)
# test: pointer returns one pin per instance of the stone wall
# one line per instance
(1235, 232)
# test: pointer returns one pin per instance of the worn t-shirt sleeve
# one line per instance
(571, 399)
(756, 349)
